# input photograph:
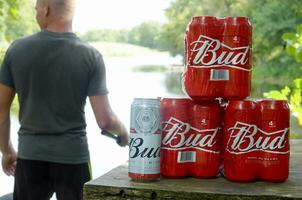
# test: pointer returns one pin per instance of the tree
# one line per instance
(11, 25)
(146, 34)
(24, 23)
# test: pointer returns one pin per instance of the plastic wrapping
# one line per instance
(192, 138)
(218, 58)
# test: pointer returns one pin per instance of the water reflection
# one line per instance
(173, 80)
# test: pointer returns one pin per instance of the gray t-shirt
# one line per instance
(53, 73)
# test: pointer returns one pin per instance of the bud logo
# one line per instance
(245, 138)
(178, 135)
(207, 52)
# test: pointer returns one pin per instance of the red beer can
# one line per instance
(176, 127)
(273, 129)
(237, 39)
(202, 33)
(206, 138)
(218, 58)
(240, 133)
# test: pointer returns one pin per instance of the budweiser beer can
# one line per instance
(273, 129)
(175, 121)
(218, 58)
(206, 126)
(240, 131)
(145, 140)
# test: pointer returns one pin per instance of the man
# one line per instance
(53, 72)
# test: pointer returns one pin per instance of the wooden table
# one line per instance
(117, 185)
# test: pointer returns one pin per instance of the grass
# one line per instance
(112, 49)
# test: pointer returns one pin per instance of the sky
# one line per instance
(117, 14)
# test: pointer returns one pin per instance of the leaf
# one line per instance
(274, 94)
(298, 83)
(298, 55)
(299, 29)
(289, 37)
(291, 50)
(285, 92)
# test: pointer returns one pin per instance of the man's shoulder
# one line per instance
(88, 47)
(24, 41)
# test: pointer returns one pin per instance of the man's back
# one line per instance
(53, 73)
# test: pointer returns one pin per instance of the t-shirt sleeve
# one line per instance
(97, 84)
(6, 76)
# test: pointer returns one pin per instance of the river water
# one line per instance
(124, 85)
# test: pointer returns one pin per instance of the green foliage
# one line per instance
(106, 35)
(17, 19)
(23, 22)
(294, 43)
(293, 92)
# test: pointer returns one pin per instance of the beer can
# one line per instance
(175, 121)
(273, 128)
(240, 130)
(145, 140)
(206, 128)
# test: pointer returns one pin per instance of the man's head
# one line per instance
(53, 11)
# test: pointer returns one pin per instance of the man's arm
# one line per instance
(106, 118)
(9, 155)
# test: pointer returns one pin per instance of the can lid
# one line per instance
(241, 105)
(176, 101)
(268, 104)
(204, 19)
(146, 101)
(237, 20)
(207, 109)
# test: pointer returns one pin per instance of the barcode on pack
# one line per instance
(186, 156)
(219, 75)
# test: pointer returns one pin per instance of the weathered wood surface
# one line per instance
(117, 185)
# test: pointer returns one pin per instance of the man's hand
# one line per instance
(9, 156)
(9, 161)
(123, 140)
